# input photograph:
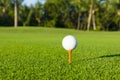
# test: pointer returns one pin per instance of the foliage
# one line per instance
(63, 13)
(37, 54)
(57, 11)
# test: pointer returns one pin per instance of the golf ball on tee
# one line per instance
(69, 42)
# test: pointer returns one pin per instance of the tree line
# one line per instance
(76, 14)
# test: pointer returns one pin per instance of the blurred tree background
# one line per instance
(75, 14)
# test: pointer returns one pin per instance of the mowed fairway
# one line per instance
(37, 54)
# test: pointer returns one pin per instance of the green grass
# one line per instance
(37, 54)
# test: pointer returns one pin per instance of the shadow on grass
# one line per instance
(104, 56)
(107, 56)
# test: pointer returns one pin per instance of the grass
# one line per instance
(37, 54)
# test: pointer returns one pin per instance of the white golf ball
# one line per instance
(69, 42)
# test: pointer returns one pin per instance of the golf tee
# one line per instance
(69, 56)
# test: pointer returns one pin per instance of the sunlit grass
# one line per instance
(37, 54)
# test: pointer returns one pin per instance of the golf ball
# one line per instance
(69, 42)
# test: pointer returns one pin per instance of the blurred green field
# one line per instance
(37, 54)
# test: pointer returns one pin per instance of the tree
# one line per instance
(56, 13)
(108, 16)
(28, 17)
(92, 9)
(38, 12)
(6, 13)
(79, 8)
(16, 13)
(116, 8)
(16, 5)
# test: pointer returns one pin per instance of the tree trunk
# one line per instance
(93, 19)
(15, 14)
(38, 20)
(89, 18)
(78, 24)
(27, 22)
